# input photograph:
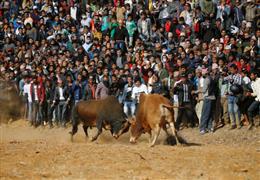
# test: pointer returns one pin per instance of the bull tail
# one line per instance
(178, 107)
(75, 121)
(170, 107)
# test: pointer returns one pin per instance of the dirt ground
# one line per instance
(43, 153)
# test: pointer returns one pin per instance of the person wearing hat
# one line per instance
(185, 89)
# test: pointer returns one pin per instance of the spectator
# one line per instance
(102, 90)
(82, 43)
(127, 97)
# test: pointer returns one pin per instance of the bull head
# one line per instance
(120, 128)
(136, 130)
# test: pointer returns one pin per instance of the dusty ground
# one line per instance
(43, 153)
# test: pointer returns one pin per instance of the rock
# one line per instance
(22, 163)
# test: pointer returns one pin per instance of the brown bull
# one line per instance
(154, 112)
(106, 113)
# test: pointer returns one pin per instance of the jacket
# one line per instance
(65, 92)
(256, 89)
(180, 91)
(102, 91)
(40, 92)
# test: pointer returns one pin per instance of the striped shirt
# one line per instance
(185, 93)
(233, 79)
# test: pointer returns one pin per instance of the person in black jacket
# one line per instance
(62, 97)
(186, 114)
(157, 85)
(49, 93)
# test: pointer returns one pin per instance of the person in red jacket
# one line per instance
(37, 92)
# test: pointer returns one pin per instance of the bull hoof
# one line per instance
(71, 138)
(93, 139)
(151, 145)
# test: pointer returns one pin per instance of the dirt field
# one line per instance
(43, 153)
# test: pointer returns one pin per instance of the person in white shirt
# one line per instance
(61, 98)
(73, 12)
(27, 95)
(255, 106)
(137, 90)
(200, 83)
(85, 21)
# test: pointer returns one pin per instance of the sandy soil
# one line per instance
(43, 153)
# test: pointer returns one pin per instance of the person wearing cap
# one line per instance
(185, 89)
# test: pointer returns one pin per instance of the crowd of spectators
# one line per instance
(59, 52)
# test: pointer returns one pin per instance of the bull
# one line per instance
(106, 113)
(154, 112)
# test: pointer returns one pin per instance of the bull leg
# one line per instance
(96, 136)
(150, 137)
(156, 134)
(174, 133)
(99, 127)
(165, 130)
(74, 131)
(85, 128)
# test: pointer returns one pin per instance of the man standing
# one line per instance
(137, 90)
(255, 85)
(62, 97)
(209, 90)
(199, 85)
(121, 36)
(184, 89)
(127, 99)
(90, 89)
(102, 90)
(236, 80)
(34, 92)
